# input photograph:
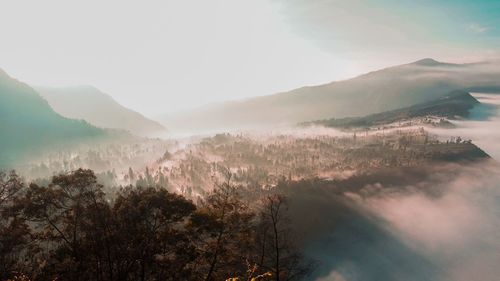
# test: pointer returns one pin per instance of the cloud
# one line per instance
(483, 133)
(430, 223)
(456, 230)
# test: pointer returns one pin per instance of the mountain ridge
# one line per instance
(456, 104)
(28, 123)
(377, 91)
(100, 109)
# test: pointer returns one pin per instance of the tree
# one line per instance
(14, 232)
(275, 246)
(151, 226)
(64, 216)
(131, 175)
(224, 226)
(142, 236)
(69, 230)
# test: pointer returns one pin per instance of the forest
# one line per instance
(236, 140)
(213, 209)
(72, 229)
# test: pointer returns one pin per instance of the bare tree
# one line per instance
(278, 252)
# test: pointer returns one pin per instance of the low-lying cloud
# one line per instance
(484, 131)
(459, 231)
(444, 227)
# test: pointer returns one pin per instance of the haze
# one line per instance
(163, 56)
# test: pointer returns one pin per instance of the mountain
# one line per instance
(28, 124)
(455, 104)
(379, 91)
(99, 109)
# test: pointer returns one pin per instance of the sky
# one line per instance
(165, 56)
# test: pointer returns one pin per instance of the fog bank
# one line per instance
(444, 227)
(483, 129)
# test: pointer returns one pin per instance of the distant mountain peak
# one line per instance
(29, 125)
(428, 62)
(100, 109)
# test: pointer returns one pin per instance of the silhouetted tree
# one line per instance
(63, 215)
(69, 230)
(223, 223)
(152, 233)
(276, 250)
(14, 232)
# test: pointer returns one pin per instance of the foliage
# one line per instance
(69, 229)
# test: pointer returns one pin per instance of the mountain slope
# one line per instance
(28, 124)
(99, 109)
(378, 91)
(455, 104)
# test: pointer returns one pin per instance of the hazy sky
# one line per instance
(163, 56)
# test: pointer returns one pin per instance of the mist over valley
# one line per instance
(250, 140)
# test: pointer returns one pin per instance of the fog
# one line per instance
(443, 226)
(483, 128)
(458, 231)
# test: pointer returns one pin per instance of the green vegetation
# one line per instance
(456, 104)
(28, 124)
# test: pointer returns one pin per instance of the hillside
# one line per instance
(374, 92)
(28, 123)
(99, 109)
(455, 104)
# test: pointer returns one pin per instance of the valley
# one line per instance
(350, 182)
(263, 140)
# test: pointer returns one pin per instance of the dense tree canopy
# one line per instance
(70, 229)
